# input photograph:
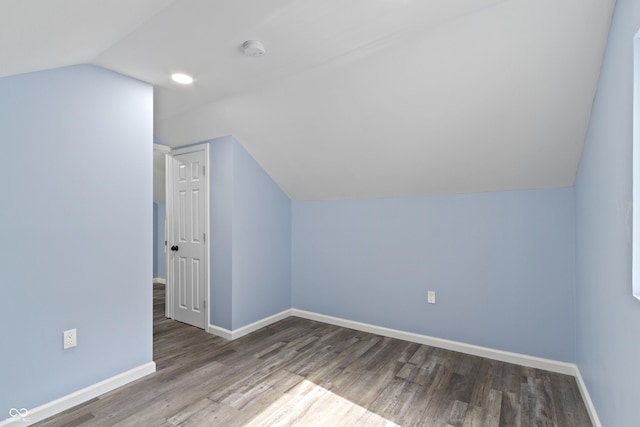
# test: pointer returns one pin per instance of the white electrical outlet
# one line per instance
(431, 297)
(69, 339)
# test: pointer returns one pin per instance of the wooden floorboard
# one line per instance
(300, 372)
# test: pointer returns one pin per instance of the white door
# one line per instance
(187, 242)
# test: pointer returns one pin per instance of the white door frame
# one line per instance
(170, 303)
(166, 150)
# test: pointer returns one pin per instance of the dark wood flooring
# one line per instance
(304, 373)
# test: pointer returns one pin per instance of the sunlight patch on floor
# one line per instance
(308, 404)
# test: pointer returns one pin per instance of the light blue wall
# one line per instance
(261, 242)
(76, 224)
(502, 266)
(608, 332)
(221, 229)
(250, 246)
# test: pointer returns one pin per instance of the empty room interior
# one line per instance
(387, 212)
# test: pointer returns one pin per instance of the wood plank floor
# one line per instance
(304, 373)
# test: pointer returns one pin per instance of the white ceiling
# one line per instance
(354, 99)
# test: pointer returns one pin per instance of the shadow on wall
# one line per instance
(159, 259)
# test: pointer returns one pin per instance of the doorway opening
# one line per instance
(181, 228)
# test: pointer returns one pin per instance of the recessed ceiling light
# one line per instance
(183, 79)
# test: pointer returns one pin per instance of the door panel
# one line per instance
(188, 239)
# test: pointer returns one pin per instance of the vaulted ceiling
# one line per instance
(353, 99)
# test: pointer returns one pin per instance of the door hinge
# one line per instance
(204, 304)
(204, 237)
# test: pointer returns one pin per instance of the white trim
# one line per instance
(207, 227)
(69, 401)
(500, 355)
(159, 280)
(245, 330)
(221, 332)
(489, 353)
(591, 409)
(73, 399)
(168, 218)
(161, 148)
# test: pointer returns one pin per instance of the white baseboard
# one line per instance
(489, 353)
(587, 399)
(62, 404)
(245, 330)
(159, 280)
(221, 332)
(73, 399)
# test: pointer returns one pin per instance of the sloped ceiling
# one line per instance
(354, 99)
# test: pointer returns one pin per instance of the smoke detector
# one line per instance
(253, 48)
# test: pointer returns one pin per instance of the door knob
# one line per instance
(174, 248)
